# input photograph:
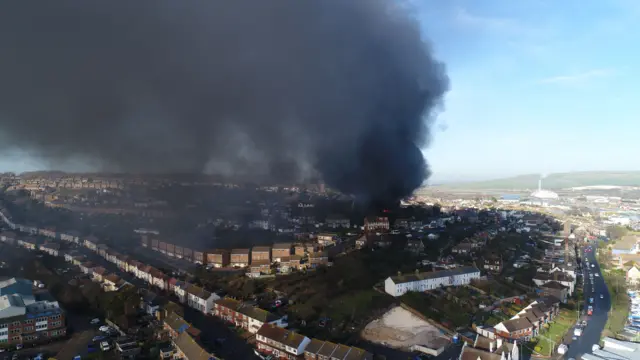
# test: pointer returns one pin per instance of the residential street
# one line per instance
(596, 323)
(212, 329)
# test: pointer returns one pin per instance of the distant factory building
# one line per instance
(509, 198)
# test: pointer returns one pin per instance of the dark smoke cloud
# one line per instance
(341, 89)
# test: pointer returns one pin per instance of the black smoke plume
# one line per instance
(281, 90)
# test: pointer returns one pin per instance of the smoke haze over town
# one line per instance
(280, 91)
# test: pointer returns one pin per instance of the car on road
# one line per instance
(597, 275)
(601, 296)
(94, 321)
(104, 328)
(98, 338)
(104, 346)
(593, 265)
(590, 300)
(590, 310)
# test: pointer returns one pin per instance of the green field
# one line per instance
(553, 181)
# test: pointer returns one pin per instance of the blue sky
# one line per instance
(536, 86)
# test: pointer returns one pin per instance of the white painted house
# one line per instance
(401, 284)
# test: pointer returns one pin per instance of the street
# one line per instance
(596, 322)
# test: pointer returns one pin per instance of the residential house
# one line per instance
(122, 262)
(200, 299)
(127, 347)
(28, 243)
(414, 245)
(280, 250)
(68, 256)
(188, 349)
(78, 259)
(361, 242)
(527, 323)
(52, 249)
(132, 266)
(98, 273)
(86, 267)
(293, 262)
(71, 236)
(325, 350)
(484, 348)
(248, 317)
(111, 282)
(337, 221)
(493, 263)
(401, 284)
(565, 279)
(401, 224)
(463, 248)
(327, 239)
(151, 302)
(373, 224)
(102, 250)
(49, 232)
(517, 329)
(628, 244)
(281, 343)
(554, 288)
(218, 258)
(180, 290)
(112, 256)
(158, 278)
(240, 257)
(91, 243)
(261, 253)
(633, 275)
(318, 259)
(175, 325)
(260, 267)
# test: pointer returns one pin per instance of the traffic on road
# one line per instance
(595, 309)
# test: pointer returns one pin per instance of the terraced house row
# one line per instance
(272, 337)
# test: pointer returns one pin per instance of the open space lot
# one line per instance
(399, 328)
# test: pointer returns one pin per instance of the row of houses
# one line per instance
(281, 257)
(271, 335)
(527, 323)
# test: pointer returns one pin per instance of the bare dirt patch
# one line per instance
(399, 328)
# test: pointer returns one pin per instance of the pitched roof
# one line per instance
(176, 322)
(191, 349)
(469, 353)
(434, 274)
(517, 324)
(280, 335)
(261, 249)
(282, 246)
(554, 285)
(239, 251)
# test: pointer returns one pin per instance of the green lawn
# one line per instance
(619, 304)
(552, 336)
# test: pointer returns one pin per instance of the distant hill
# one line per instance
(554, 181)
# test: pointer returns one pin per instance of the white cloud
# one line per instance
(464, 18)
(578, 77)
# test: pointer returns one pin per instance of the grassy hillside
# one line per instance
(555, 181)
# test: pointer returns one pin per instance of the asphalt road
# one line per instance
(596, 322)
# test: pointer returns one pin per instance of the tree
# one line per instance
(615, 232)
